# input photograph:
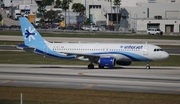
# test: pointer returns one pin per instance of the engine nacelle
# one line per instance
(109, 62)
(125, 63)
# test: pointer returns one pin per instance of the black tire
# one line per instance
(90, 66)
(161, 33)
(100, 66)
(148, 67)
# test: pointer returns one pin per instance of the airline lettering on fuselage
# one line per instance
(131, 47)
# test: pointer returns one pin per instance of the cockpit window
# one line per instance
(158, 50)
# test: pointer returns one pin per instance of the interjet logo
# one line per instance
(132, 47)
(30, 34)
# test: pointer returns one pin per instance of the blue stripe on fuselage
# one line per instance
(132, 56)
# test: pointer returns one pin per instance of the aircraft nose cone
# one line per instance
(166, 55)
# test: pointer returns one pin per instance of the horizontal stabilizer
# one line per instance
(25, 48)
(30, 50)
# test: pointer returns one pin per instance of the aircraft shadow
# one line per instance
(114, 68)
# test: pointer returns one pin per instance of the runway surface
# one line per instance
(129, 79)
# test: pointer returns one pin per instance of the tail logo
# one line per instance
(29, 33)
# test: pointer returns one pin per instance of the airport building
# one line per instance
(29, 6)
(132, 15)
(136, 15)
(14, 3)
(163, 14)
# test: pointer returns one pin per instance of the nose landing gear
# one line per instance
(147, 65)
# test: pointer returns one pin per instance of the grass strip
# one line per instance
(11, 57)
(11, 95)
(95, 35)
(6, 42)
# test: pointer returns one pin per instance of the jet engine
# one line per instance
(109, 62)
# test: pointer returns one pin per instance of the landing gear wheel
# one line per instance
(90, 66)
(148, 67)
(100, 66)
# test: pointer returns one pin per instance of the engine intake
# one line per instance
(109, 62)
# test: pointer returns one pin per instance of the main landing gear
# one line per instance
(100, 66)
(90, 66)
(147, 65)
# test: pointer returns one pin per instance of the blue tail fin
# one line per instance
(30, 34)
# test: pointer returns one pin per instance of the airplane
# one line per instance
(106, 55)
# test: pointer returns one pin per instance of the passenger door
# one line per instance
(145, 50)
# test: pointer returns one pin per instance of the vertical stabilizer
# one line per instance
(30, 34)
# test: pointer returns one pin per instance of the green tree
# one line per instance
(65, 7)
(51, 16)
(42, 6)
(79, 8)
(87, 22)
(41, 22)
(58, 4)
(1, 17)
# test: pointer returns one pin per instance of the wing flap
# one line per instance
(85, 55)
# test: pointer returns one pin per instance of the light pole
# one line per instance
(135, 22)
(111, 14)
(69, 15)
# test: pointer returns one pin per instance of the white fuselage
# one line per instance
(123, 52)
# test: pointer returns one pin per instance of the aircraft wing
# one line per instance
(85, 55)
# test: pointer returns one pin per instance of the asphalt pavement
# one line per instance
(129, 79)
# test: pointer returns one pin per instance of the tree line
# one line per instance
(54, 16)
